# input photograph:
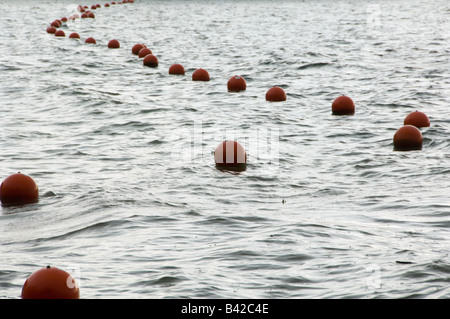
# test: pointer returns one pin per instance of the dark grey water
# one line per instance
(131, 202)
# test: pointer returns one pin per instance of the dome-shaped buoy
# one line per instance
(60, 33)
(91, 15)
(113, 44)
(90, 40)
(50, 283)
(106, 5)
(418, 119)
(230, 155)
(51, 30)
(343, 105)
(275, 94)
(200, 75)
(144, 52)
(136, 48)
(55, 24)
(74, 35)
(84, 15)
(176, 69)
(19, 189)
(150, 60)
(408, 138)
(236, 83)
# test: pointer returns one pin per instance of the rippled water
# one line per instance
(130, 199)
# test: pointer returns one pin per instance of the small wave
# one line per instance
(312, 65)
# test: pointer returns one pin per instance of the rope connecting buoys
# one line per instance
(19, 189)
(50, 283)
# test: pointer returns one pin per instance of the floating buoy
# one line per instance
(74, 35)
(55, 24)
(60, 33)
(93, 7)
(98, 5)
(200, 75)
(113, 2)
(144, 51)
(418, 119)
(136, 48)
(230, 154)
(64, 19)
(50, 283)
(236, 83)
(113, 44)
(91, 15)
(343, 105)
(84, 15)
(106, 5)
(90, 40)
(51, 30)
(408, 138)
(275, 94)
(176, 69)
(151, 61)
(19, 189)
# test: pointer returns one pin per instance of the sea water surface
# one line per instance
(130, 199)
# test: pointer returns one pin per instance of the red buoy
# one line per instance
(236, 83)
(106, 5)
(55, 24)
(230, 154)
(343, 105)
(90, 40)
(51, 30)
(91, 15)
(74, 35)
(151, 60)
(136, 48)
(143, 52)
(200, 75)
(408, 138)
(60, 33)
(418, 119)
(176, 69)
(50, 283)
(19, 189)
(84, 15)
(113, 44)
(275, 94)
